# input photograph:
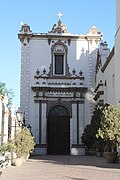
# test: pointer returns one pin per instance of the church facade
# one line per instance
(57, 86)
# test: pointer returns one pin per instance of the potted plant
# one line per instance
(99, 147)
(23, 145)
(109, 131)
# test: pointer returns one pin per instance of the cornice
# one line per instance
(53, 36)
(59, 89)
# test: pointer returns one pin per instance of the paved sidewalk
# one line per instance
(63, 168)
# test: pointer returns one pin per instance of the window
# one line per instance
(59, 59)
(59, 64)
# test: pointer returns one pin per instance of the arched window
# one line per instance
(59, 59)
(59, 111)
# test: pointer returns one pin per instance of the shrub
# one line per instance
(5, 149)
(23, 142)
(109, 129)
(89, 134)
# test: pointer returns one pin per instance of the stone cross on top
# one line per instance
(59, 15)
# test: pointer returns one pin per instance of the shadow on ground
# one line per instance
(75, 160)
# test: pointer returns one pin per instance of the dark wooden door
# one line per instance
(58, 139)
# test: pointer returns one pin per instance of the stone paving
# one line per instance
(63, 168)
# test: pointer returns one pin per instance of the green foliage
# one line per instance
(99, 145)
(5, 148)
(9, 93)
(89, 133)
(3, 88)
(109, 130)
(23, 142)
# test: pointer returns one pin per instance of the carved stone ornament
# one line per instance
(25, 29)
(25, 34)
(59, 48)
(59, 28)
(94, 31)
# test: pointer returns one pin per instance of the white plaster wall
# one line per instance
(40, 55)
(109, 76)
(77, 56)
(117, 52)
(87, 116)
(117, 68)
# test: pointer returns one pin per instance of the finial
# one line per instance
(59, 15)
(74, 71)
(37, 75)
(44, 71)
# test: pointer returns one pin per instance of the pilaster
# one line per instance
(25, 80)
(43, 124)
(81, 121)
(74, 123)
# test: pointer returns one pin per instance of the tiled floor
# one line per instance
(63, 168)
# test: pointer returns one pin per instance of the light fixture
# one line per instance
(19, 116)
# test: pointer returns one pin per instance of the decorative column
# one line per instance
(74, 124)
(25, 36)
(81, 121)
(40, 129)
(78, 125)
(35, 124)
(40, 122)
(43, 124)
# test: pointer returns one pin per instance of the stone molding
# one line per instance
(67, 104)
(25, 75)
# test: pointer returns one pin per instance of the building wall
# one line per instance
(36, 54)
(105, 76)
(117, 53)
(109, 82)
(117, 14)
(78, 58)
(111, 72)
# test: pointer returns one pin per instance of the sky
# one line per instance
(78, 16)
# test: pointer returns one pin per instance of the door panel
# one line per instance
(58, 135)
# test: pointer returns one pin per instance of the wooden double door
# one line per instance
(58, 133)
